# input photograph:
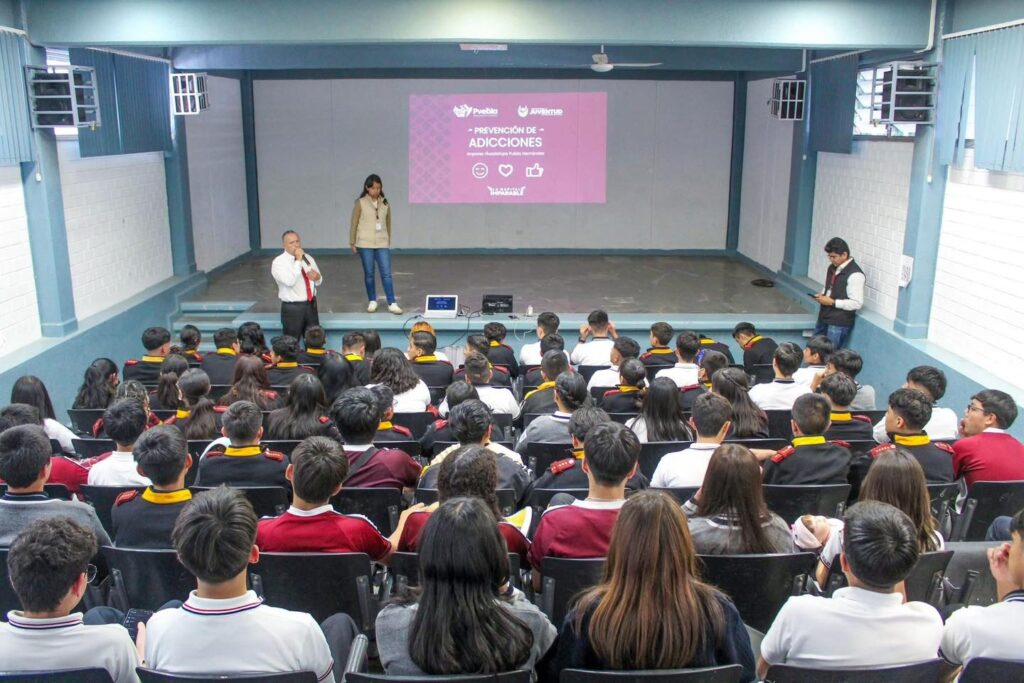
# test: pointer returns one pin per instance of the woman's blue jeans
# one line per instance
(382, 258)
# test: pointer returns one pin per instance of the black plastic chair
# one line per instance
(150, 676)
(506, 499)
(82, 419)
(588, 370)
(417, 423)
(923, 672)
(774, 577)
(442, 445)
(285, 446)
(790, 502)
(943, 501)
(622, 418)
(267, 501)
(59, 491)
(321, 584)
(987, 500)
(507, 677)
(379, 505)
(923, 583)
(56, 448)
(217, 391)
(681, 493)
(146, 579)
(8, 599)
(562, 580)
(763, 373)
(716, 674)
(541, 498)
(986, 670)
(539, 456)
(651, 454)
(779, 426)
(597, 393)
(57, 676)
(90, 448)
(874, 415)
(102, 500)
(768, 444)
(413, 448)
(405, 570)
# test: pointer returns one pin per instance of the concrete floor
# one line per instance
(564, 283)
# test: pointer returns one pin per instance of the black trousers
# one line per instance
(297, 316)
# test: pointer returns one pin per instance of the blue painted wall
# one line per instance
(968, 14)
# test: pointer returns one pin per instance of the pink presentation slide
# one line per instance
(523, 148)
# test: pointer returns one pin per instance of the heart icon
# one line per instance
(505, 170)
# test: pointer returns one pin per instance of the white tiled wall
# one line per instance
(216, 168)
(977, 308)
(19, 313)
(862, 197)
(764, 202)
(115, 209)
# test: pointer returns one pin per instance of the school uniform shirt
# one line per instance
(780, 394)
(596, 351)
(620, 400)
(834, 543)
(72, 473)
(758, 351)
(935, 457)
(539, 401)
(639, 427)
(809, 460)
(683, 468)
(438, 430)
(291, 276)
(236, 635)
(313, 357)
(720, 535)
(282, 374)
(806, 374)
(992, 631)
(849, 427)
(386, 468)
(433, 371)
(145, 520)
(220, 366)
(360, 366)
(553, 428)
(120, 469)
(659, 357)
(608, 377)
(499, 377)
(568, 474)
(28, 645)
(530, 355)
(689, 394)
(145, 369)
(18, 510)
(944, 426)
(683, 374)
(580, 530)
(59, 433)
(414, 400)
(709, 344)
(505, 356)
(498, 399)
(386, 431)
(855, 628)
(512, 474)
(993, 455)
(321, 530)
(865, 398)
(242, 466)
(409, 542)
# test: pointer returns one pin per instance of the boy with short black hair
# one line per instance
(432, 370)
(124, 421)
(157, 342)
(909, 411)
(550, 342)
(849, 362)
(810, 459)
(477, 343)
(386, 430)
(685, 372)
(498, 352)
(987, 452)
(479, 373)
(49, 570)
(712, 362)
(783, 390)
(711, 420)
(316, 351)
(944, 423)
(623, 349)
(600, 332)
(817, 353)
(541, 401)
(145, 520)
(840, 390)
(353, 348)
(709, 344)
(440, 430)
(357, 417)
(660, 354)
(531, 354)
(220, 366)
(284, 354)
(244, 462)
(758, 350)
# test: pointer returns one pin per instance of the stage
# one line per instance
(707, 293)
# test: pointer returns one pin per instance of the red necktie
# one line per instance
(309, 290)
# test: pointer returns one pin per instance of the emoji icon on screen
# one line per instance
(506, 170)
(480, 171)
(535, 171)
(523, 112)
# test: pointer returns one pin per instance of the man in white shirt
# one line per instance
(124, 421)
(783, 391)
(297, 277)
(816, 355)
(479, 373)
(712, 420)
(601, 334)
(685, 372)
(992, 631)
(50, 571)
(842, 296)
(623, 349)
(223, 627)
(944, 424)
(530, 354)
(867, 624)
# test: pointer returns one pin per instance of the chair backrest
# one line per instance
(541, 498)
(763, 373)
(321, 584)
(942, 493)
(147, 579)
(443, 445)
(150, 676)
(776, 578)
(507, 677)
(622, 418)
(874, 415)
(90, 448)
(57, 676)
(405, 569)
(217, 391)
(922, 672)
(597, 393)
(680, 493)
(415, 422)
(267, 501)
(102, 500)
(82, 419)
(779, 426)
(769, 444)
(652, 452)
(790, 502)
(539, 456)
(381, 506)
(986, 670)
(716, 674)
(506, 499)
(588, 370)
(991, 499)
(413, 448)
(563, 579)
(285, 446)
(59, 491)
(55, 447)
(924, 582)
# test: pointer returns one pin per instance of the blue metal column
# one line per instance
(252, 190)
(179, 201)
(47, 233)
(802, 174)
(924, 213)
(739, 131)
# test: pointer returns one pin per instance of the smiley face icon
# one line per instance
(480, 171)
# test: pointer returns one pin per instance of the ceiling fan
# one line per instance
(601, 64)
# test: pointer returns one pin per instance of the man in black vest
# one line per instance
(843, 295)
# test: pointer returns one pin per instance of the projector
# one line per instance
(496, 303)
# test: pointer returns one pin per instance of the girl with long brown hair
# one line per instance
(651, 610)
(250, 383)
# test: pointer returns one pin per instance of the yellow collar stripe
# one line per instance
(166, 497)
(577, 453)
(353, 357)
(183, 414)
(290, 364)
(842, 417)
(494, 343)
(662, 350)
(808, 440)
(752, 341)
(426, 359)
(627, 390)
(152, 359)
(316, 352)
(708, 341)
(912, 440)
(243, 451)
(384, 425)
(226, 352)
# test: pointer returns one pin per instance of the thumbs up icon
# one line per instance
(535, 171)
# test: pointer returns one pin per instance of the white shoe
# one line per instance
(395, 308)
(371, 307)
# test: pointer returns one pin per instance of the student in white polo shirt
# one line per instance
(49, 571)
(866, 624)
(124, 421)
(781, 393)
(711, 418)
(623, 349)
(601, 335)
(223, 627)
(992, 631)
(479, 373)
(685, 372)
(817, 354)
(530, 354)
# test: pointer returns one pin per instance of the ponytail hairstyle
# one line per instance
(98, 386)
(195, 390)
(368, 183)
(633, 373)
(251, 339)
(571, 390)
(171, 370)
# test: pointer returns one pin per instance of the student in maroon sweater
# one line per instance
(987, 452)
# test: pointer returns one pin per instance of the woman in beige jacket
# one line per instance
(370, 237)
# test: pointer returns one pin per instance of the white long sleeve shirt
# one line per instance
(287, 274)
(854, 290)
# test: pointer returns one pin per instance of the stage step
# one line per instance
(209, 316)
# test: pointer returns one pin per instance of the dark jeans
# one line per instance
(382, 259)
(297, 316)
(999, 530)
(837, 333)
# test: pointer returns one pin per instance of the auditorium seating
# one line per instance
(681, 494)
(562, 579)
(925, 672)
(102, 499)
(985, 670)
(987, 500)
(416, 422)
(541, 498)
(539, 456)
(146, 579)
(923, 583)
(790, 502)
(507, 677)
(61, 676)
(775, 578)
(150, 676)
(380, 505)
(404, 572)
(715, 674)
(267, 501)
(506, 499)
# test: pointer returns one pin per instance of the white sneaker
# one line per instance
(371, 307)
(395, 308)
